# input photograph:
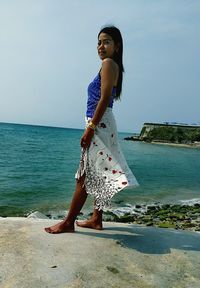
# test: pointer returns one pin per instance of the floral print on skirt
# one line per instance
(103, 163)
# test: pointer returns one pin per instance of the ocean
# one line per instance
(38, 164)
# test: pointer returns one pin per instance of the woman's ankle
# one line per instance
(96, 219)
(68, 222)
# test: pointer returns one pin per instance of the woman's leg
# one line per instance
(78, 200)
(95, 222)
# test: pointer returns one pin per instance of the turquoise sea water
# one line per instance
(37, 167)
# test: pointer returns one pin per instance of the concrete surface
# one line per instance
(121, 255)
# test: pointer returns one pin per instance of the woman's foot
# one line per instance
(90, 224)
(61, 227)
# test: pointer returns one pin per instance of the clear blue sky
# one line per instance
(48, 57)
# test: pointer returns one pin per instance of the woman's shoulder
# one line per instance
(109, 62)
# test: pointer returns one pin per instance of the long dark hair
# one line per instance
(114, 32)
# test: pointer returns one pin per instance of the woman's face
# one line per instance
(106, 46)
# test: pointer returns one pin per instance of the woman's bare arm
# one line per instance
(108, 74)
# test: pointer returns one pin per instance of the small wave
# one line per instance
(190, 202)
(119, 211)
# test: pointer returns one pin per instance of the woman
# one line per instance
(103, 170)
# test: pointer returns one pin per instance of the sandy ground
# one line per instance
(121, 255)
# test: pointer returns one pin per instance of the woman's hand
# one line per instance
(87, 138)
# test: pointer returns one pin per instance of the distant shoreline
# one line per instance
(193, 145)
(168, 134)
(189, 145)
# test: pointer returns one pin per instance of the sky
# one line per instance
(48, 57)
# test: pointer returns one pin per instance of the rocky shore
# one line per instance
(178, 216)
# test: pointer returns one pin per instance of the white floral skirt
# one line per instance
(103, 163)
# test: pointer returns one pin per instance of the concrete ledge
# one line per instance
(121, 255)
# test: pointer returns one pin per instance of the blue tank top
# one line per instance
(94, 94)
